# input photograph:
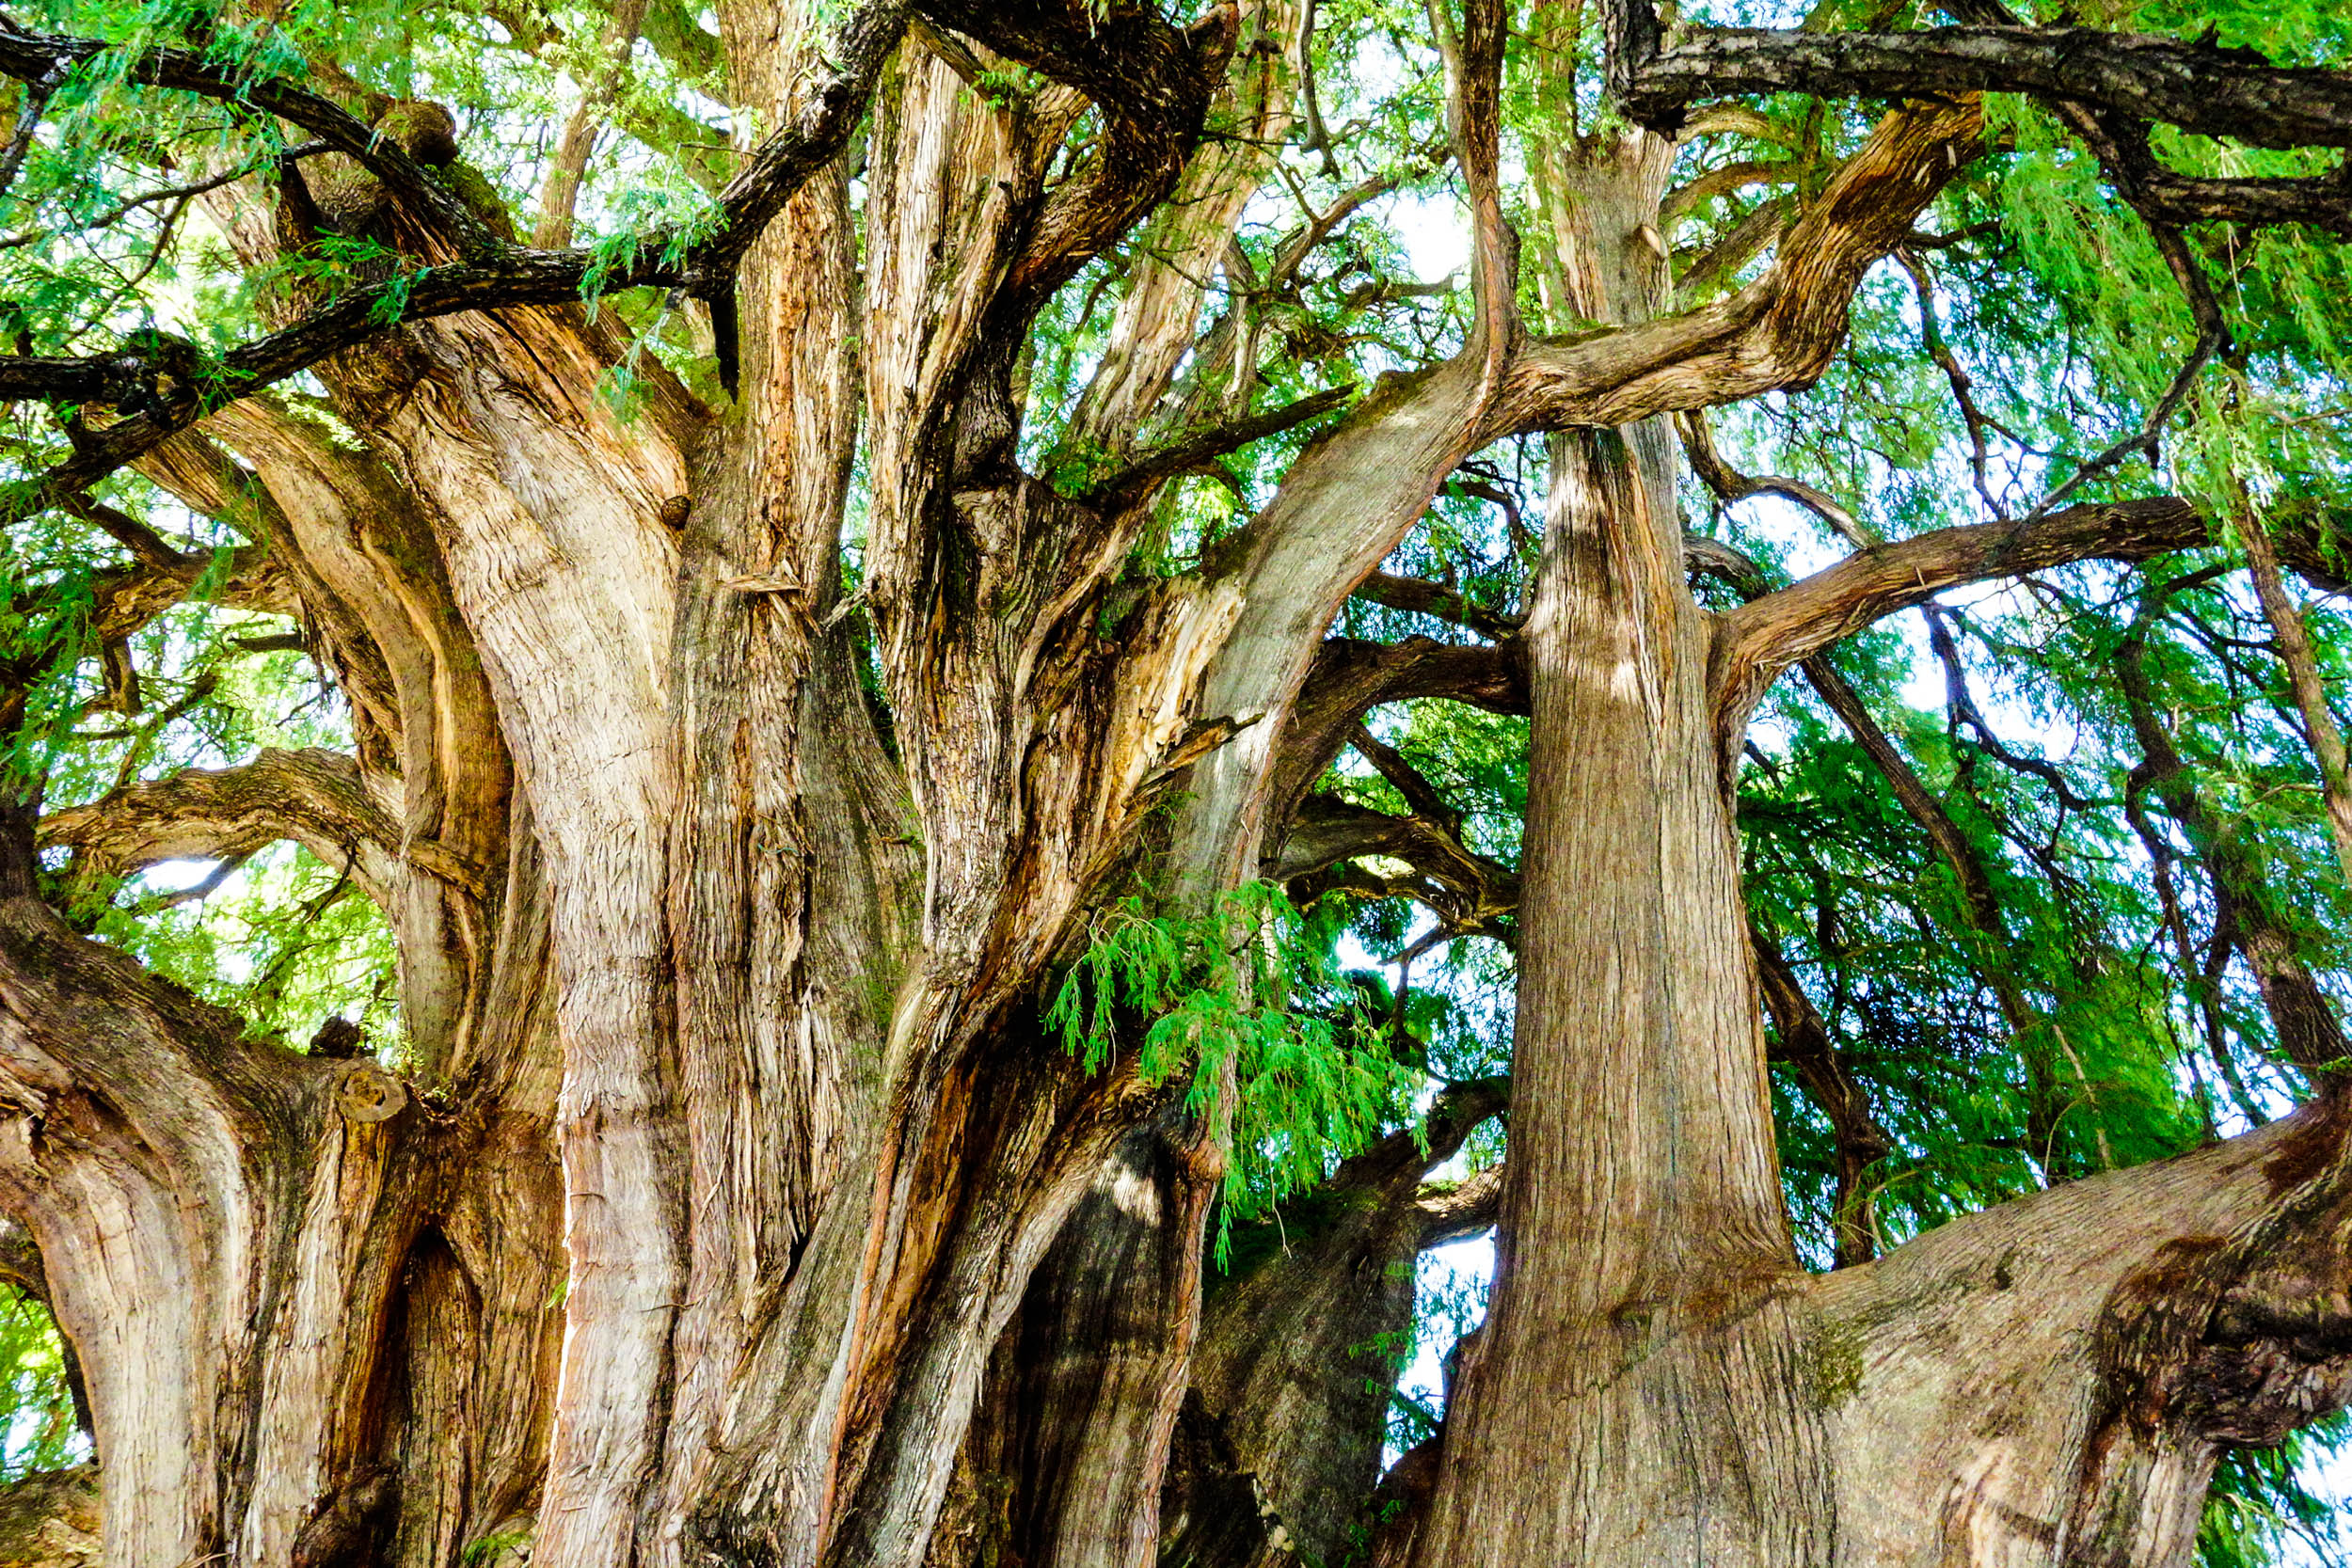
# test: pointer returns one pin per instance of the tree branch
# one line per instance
(1471, 894)
(1731, 485)
(2213, 92)
(1151, 80)
(833, 104)
(1803, 1040)
(1629, 32)
(1722, 180)
(1473, 60)
(1762, 226)
(1778, 332)
(121, 210)
(1134, 484)
(147, 547)
(1351, 676)
(1122, 54)
(2302, 1017)
(312, 797)
(1760, 639)
(32, 57)
(1418, 598)
(2293, 641)
(2213, 338)
(124, 600)
(560, 191)
(38, 91)
(1420, 796)
(493, 277)
(1457, 1213)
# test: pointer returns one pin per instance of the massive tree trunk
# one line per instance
(1627, 1389)
(1657, 1378)
(739, 1202)
(314, 1303)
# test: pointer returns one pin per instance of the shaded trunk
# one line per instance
(1300, 1351)
(1071, 1433)
(1627, 1390)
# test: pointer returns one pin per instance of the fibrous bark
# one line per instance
(734, 1201)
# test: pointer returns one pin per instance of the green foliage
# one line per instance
(287, 943)
(490, 1548)
(1226, 999)
(2105, 1022)
(1007, 86)
(2262, 1510)
(679, 217)
(37, 1426)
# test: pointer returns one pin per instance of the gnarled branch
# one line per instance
(1419, 596)
(1764, 637)
(1351, 676)
(1778, 332)
(2213, 92)
(1459, 1213)
(494, 274)
(312, 797)
(1470, 893)
(31, 57)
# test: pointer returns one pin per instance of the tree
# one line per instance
(847, 740)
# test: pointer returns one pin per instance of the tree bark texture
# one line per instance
(1622, 1394)
(1657, 1380)
(737, 1204)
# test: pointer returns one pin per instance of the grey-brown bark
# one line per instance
(1623, 1387)
(1655, 1376)
(51, 1520)
(1072, 1430)
(1300, 1348)
(263, 1251)
(2111, 1332)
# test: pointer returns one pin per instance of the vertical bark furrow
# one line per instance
(1629, 1370)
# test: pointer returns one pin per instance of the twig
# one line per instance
(1729, 485)
(36, 95)
(199, 891)
(1931, 343)
(169, 192)
(2213, 340)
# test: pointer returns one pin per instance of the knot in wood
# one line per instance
(366, 1094)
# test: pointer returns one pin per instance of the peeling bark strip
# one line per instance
(731, 1200)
